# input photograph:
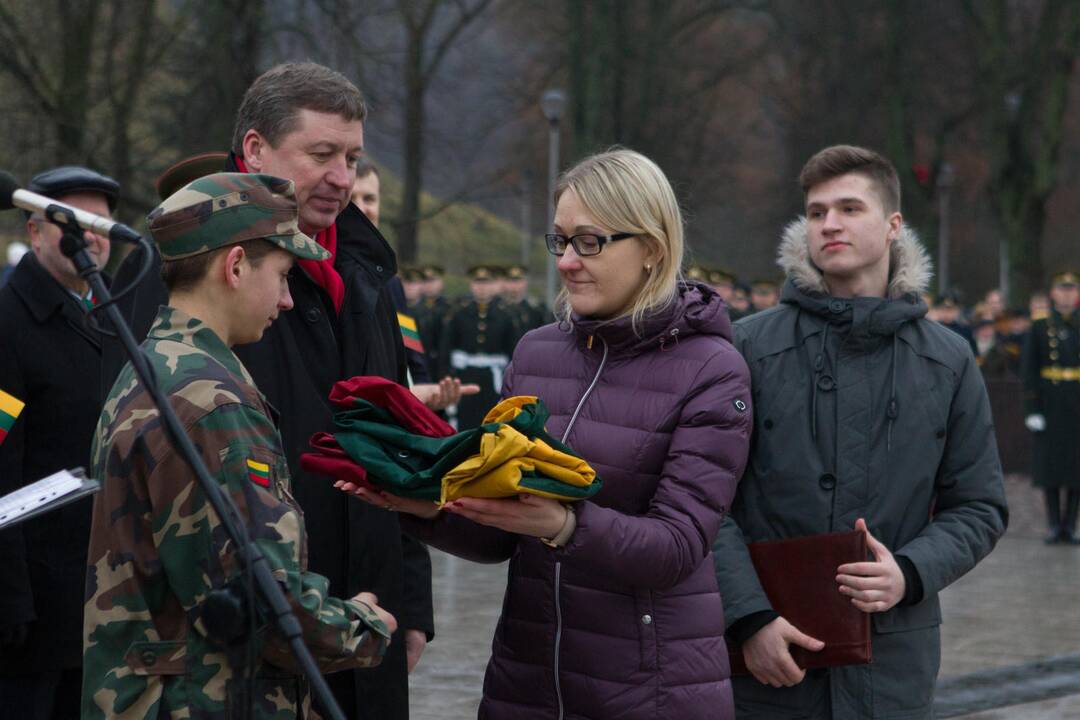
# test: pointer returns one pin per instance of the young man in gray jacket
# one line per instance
(867, 416)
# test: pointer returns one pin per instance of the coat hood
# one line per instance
(909, 265)
(696, 310)
(867, 317)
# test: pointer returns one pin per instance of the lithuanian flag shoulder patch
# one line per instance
(10, 407)
(409, 334)
(258, 473)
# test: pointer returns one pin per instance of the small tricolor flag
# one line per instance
(409, 333)
(10, 407)
(259, 473)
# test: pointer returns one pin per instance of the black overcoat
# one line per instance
(1051, 370)
(51, 361)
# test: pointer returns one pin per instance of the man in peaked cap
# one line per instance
(49, 359)
(305, 122)
(530, 313)
(1050, 366)
(477, 340)
(227, 242)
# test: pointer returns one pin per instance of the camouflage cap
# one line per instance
(229, 208)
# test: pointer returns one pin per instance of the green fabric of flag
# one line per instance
(412, 465)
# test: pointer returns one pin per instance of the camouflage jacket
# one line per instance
(157, 548)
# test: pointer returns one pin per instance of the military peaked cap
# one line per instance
(181, 173)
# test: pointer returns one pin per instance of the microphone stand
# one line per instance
(251, 559)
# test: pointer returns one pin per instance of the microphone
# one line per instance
(12, 196)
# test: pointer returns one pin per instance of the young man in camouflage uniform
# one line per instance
(157, 549)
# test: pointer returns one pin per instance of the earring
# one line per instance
(648, 268)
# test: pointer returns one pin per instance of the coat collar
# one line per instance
(909, 264)
(45, 297)
(38, 289)
(695, 310)
(177, 326)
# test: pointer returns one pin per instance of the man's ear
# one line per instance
(896, 222)
(252, 147)
(234, 266)
(36, 238)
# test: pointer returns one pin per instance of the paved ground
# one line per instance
(1019, 605)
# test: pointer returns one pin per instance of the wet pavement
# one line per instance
(1018, 606)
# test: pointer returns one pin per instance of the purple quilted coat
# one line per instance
(625, 621)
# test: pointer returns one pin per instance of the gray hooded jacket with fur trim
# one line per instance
(863, 408)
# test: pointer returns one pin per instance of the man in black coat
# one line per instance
(49, 359)
(1051, 371)
(304, 122)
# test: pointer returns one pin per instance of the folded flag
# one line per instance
(397, 444)
(10, 407)
(409, 334)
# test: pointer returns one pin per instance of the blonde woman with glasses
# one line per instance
(611, 607)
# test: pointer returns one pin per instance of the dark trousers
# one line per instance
(49, 695)
(1060, 522)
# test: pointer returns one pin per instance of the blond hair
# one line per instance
(628, 192)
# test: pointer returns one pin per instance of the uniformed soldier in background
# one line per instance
(531, 313)
(764, 294)
(723, 282)
(227, 242)
(430, 312)
(478, 338)
(1051, 370)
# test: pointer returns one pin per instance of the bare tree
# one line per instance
(1028, 56)
(429, 36)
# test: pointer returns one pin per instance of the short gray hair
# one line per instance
(271, 104)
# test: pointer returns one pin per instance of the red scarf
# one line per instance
(322, 272)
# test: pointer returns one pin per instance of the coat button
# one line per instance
(767, 424)
(826, 383)
(378, 268)
(312, 315)
(148, 657)
(836, 306)
(940, 433)
(646, 619)
(827, 481)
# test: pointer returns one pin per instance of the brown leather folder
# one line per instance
(799, 578)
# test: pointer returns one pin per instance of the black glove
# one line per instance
(13, 637)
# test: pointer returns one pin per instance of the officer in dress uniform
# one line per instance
(531, 314)
(477, 341)
(1051, 370)
(430, 312)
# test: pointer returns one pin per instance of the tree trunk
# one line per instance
(73, 99)
(406, 225)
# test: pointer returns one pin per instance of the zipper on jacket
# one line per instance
(588, 391)
(558, 564)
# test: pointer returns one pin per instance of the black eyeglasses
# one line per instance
(584, 245)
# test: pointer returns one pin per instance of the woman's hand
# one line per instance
(420, 508)
(525, 515)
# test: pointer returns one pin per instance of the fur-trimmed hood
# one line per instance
(910, 268)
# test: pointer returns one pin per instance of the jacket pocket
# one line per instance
(646, 624)
(910, 617)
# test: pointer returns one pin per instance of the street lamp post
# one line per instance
(552, 104)
(946, 179)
